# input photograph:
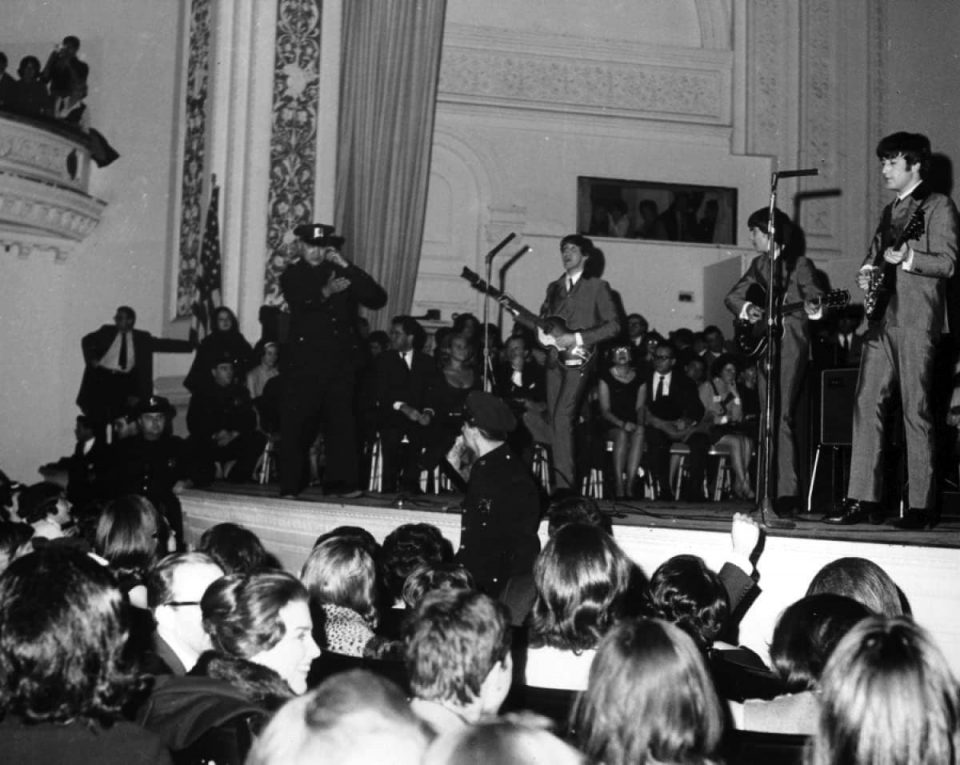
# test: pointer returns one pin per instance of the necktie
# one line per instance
(659, 394)
(123, 350)
(569, 285)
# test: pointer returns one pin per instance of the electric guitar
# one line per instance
(750, 338)
(883, 276)
(548, 328)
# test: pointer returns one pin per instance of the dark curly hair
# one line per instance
(407, 547)
(684, 592)
(236, 549)
(63, 630)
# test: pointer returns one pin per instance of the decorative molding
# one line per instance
(194, 153)
(767, 75)
(521, 70)
(44, 154)
(877, 124)
(715, 24)
(293, 143)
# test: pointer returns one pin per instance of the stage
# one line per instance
(925, 564)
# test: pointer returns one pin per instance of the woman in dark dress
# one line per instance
(622, 398)
(224, 341)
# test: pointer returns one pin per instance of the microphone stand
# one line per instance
(486, 307)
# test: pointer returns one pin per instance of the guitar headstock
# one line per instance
(474, 278)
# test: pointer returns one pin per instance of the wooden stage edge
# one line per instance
(924, 564)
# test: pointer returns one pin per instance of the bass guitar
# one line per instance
(548, 329)
(750, 338)
(882, 277)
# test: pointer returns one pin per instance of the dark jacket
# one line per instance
(396, 382)
(213, 349)
(220, 408)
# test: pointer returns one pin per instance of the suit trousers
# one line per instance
(793, 368)
(565, 386)
(894, 357)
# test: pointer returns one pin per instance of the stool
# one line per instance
(374, 453)
(541, 466)
(266, 466)
(678, 459)
(723, 480)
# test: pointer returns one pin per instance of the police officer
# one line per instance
(501, 508)
(323, 291)
(153, 463)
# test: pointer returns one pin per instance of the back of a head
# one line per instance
(407, 547)
(650, 698)
(160, 579)
(577, 510)
(582, 578)
(129, 533)
(352, 718)
(63, 630)
(511, 741)
(685, 592)
(860, 579)
(452, 642)
(341, 571)
(236, 549)
(430, 578)
(13, 537)
(807, 633)
(37, 501)
(888, 698)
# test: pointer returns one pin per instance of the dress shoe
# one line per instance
(851, 512)
(915, 519)
(786, 506)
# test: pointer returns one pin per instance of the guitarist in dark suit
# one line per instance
(917, 238)
(585, 305)
(795, 283)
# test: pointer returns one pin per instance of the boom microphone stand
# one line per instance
(488, 259)
(771, 363)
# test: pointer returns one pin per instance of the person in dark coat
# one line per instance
(224, 341)
(223, 427)
(323, 290)
(501, 508)
(119, 366)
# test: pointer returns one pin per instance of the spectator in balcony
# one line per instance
(7, 83)
(66, 78)
(30, 97)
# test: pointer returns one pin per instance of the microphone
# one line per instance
(503, 243)
(798, 173)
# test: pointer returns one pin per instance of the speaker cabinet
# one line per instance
(838, 391)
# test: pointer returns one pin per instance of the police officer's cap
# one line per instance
(489, 412)
(156, 405)
(319, 235)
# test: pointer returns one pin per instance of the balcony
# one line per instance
(44, 183)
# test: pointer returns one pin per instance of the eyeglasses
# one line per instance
(179, 603)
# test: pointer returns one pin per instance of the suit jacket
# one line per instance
(396, 382)
(97, 343)
(532, 385)
(918, 301)
(800, 285)
(589, 308)
(683, 399)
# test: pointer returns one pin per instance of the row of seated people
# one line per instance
(217, 655)
(56, 91)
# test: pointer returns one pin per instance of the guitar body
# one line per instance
(883, 276)
(548, 328)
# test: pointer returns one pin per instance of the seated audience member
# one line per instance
(29, 97)
(583, 582)
(86, 466)
(236, 549)
(268, 355)
(427, 579)
(65, 682)
(622, 403)
(175, 587)
(260, 629)
(341, 577)
(457, 654)
(124, 426)
(14, 539)
(716, 345)
(724, 417)
(887, 696)
(7, 83)
(353, 718)
(749, 389)
(514, 740)
(223, 428)
(863, 581)
(459, 374)
(405, 549)
(224, 341)
(406, 379)
(46, 508)
(649, 699)
(673, 414)
(522, 382)
(805, 636)
(696, 369)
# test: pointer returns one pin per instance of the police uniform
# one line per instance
(501, 507)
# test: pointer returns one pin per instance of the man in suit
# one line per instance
(521, 382)
(585, 305)
(319, 362)
(119, 366)
(174, 589)
(406, 378)
(899, 346)
(673, 412)
(794, 283)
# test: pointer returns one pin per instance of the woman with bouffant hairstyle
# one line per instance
(650, 699)
(864, 581)
(341, 577)
(63, 678)
(583, 580)
(888, 696)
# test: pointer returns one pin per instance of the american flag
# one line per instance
(207, 284)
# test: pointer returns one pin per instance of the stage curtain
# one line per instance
(391, 63)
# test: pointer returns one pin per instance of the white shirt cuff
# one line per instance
(908, 261)
(743, 311)
(579, 338)
(397, 405)
(742, 562)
